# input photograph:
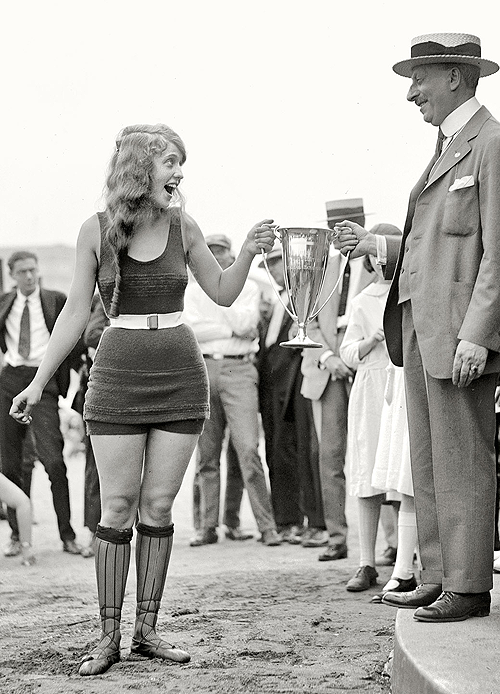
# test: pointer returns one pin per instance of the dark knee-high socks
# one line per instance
(112, 560)
(153, 550)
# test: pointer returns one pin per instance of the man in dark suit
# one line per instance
(442, 323)
(27, 317)
(291, 448)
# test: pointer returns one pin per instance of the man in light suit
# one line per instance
(23, 353)
(326, 380)
(442, 323)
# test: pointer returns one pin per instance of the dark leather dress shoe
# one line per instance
(423, 595)
(455, 607)
(333, 552)
(405, 585)
(364, 577)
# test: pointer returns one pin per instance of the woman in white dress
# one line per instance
(392, 473)
(364, 350)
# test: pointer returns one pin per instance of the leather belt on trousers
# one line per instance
(151, 321)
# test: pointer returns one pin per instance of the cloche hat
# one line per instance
(429, 49)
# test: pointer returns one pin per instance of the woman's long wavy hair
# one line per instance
(128, 188)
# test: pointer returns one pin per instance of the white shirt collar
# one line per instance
(33, 295)
(456, 120)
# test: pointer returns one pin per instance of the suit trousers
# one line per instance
(452, 434)
(330, 419)
(233, 495)
(233, 404)
(49, 443)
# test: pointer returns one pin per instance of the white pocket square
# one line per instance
(465, 182)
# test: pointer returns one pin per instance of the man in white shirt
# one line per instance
(442, 323)
(228, 338)
(27, 317)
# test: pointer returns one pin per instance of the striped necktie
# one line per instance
(24, 346)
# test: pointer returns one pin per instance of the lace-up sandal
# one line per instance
(153, 550)
(154, 647)
(100, 659)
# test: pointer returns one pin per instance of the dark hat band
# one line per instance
(431, 48)
(345, 213)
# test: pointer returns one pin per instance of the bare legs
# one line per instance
(15, 498)
(368, 514)
(139, 474)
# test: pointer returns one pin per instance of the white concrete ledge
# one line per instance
(452, 658)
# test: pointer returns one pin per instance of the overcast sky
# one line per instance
(282, 104)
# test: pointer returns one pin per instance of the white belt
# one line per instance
(151, 321)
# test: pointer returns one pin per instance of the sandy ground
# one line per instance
(255, 619)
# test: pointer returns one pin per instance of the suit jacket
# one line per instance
(323, 328)
(52, 303)
(454, 256)
(279, 368)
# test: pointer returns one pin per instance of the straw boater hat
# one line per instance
(430, 49)
(349, 208)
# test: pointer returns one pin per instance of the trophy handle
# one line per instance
(273, 283)
(345, 260)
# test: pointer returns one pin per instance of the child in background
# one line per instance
(364, 350)
(15, 498)
(392, 473)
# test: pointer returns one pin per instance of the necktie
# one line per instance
(439, 143)
(24, 333)
(345, 289)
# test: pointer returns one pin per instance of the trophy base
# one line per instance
(301, 343)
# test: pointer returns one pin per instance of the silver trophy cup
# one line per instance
(305, 255)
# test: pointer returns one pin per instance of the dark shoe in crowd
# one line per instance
(237, 534)
(204, 537)
(364, 577)
(12, 549)
(291, 534)
(423, 595)
(404, 585)
(71, 547)
(388, 557)
(455, 607)
(333, 552)
(314, 537)
(270, 538)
